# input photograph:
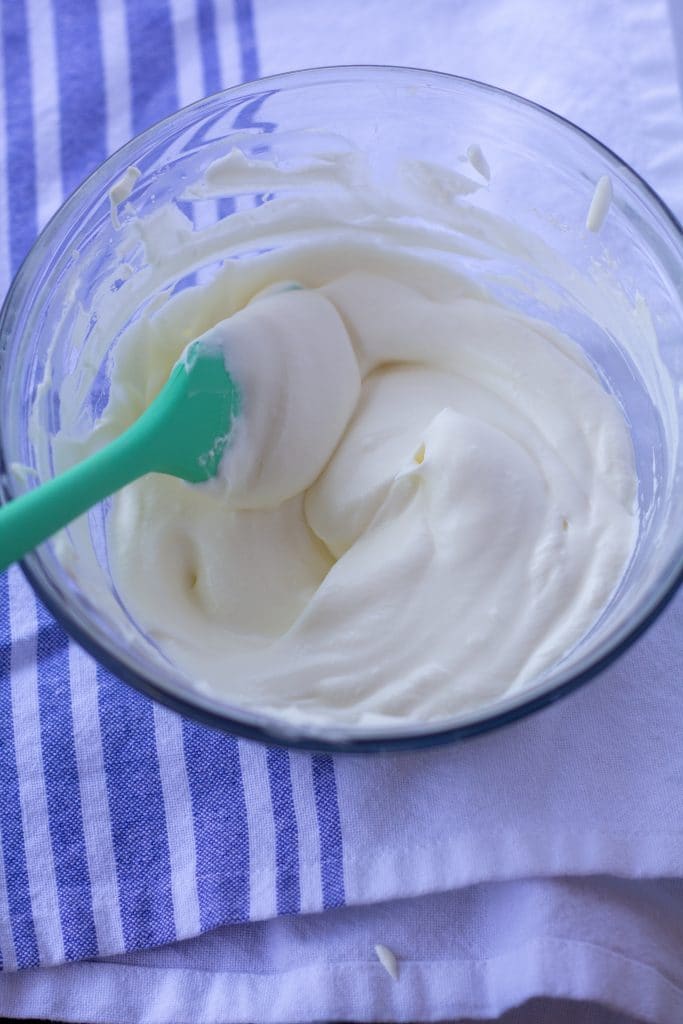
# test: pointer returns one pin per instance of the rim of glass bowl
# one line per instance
(251, 723)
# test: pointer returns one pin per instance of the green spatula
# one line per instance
(183, 432)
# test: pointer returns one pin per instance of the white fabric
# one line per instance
(591, 787)
(471, 953)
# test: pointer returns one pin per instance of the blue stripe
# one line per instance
(63, 790)
(152, 62)
(286, 831)
(329, 825)
(81, 91)
(14, 853)
(249, 56)
(211, 67)
(219, 811)
(21, 174)
(82, 118)
(22, 229)
(250, 66)
(136, 810)
(247, 115)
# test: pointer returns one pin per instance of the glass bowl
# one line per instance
(618, 292)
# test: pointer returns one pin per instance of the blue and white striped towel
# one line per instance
(124, 827)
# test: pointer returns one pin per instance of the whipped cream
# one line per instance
(600, 204)
(428, 501)
(429, 497)
(299, 382)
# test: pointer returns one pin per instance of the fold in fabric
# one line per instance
(477, 953)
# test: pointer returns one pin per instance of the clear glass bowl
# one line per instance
(619, 293)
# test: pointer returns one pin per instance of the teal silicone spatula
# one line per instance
(183, 432)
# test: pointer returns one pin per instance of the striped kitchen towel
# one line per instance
(124, 826)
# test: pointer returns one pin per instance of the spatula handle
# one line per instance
(33, 517)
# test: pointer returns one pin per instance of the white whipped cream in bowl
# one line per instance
(453, 490)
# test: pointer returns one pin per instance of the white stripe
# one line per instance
(29, 758)
(168, 728)
(226, 41)
(9, 957)
(303, 795)
(97, 834)
(263, 878)
(5, 260)
(116, 66)
(45, 87)
(188, 53)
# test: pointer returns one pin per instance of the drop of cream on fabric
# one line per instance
(388, 960)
